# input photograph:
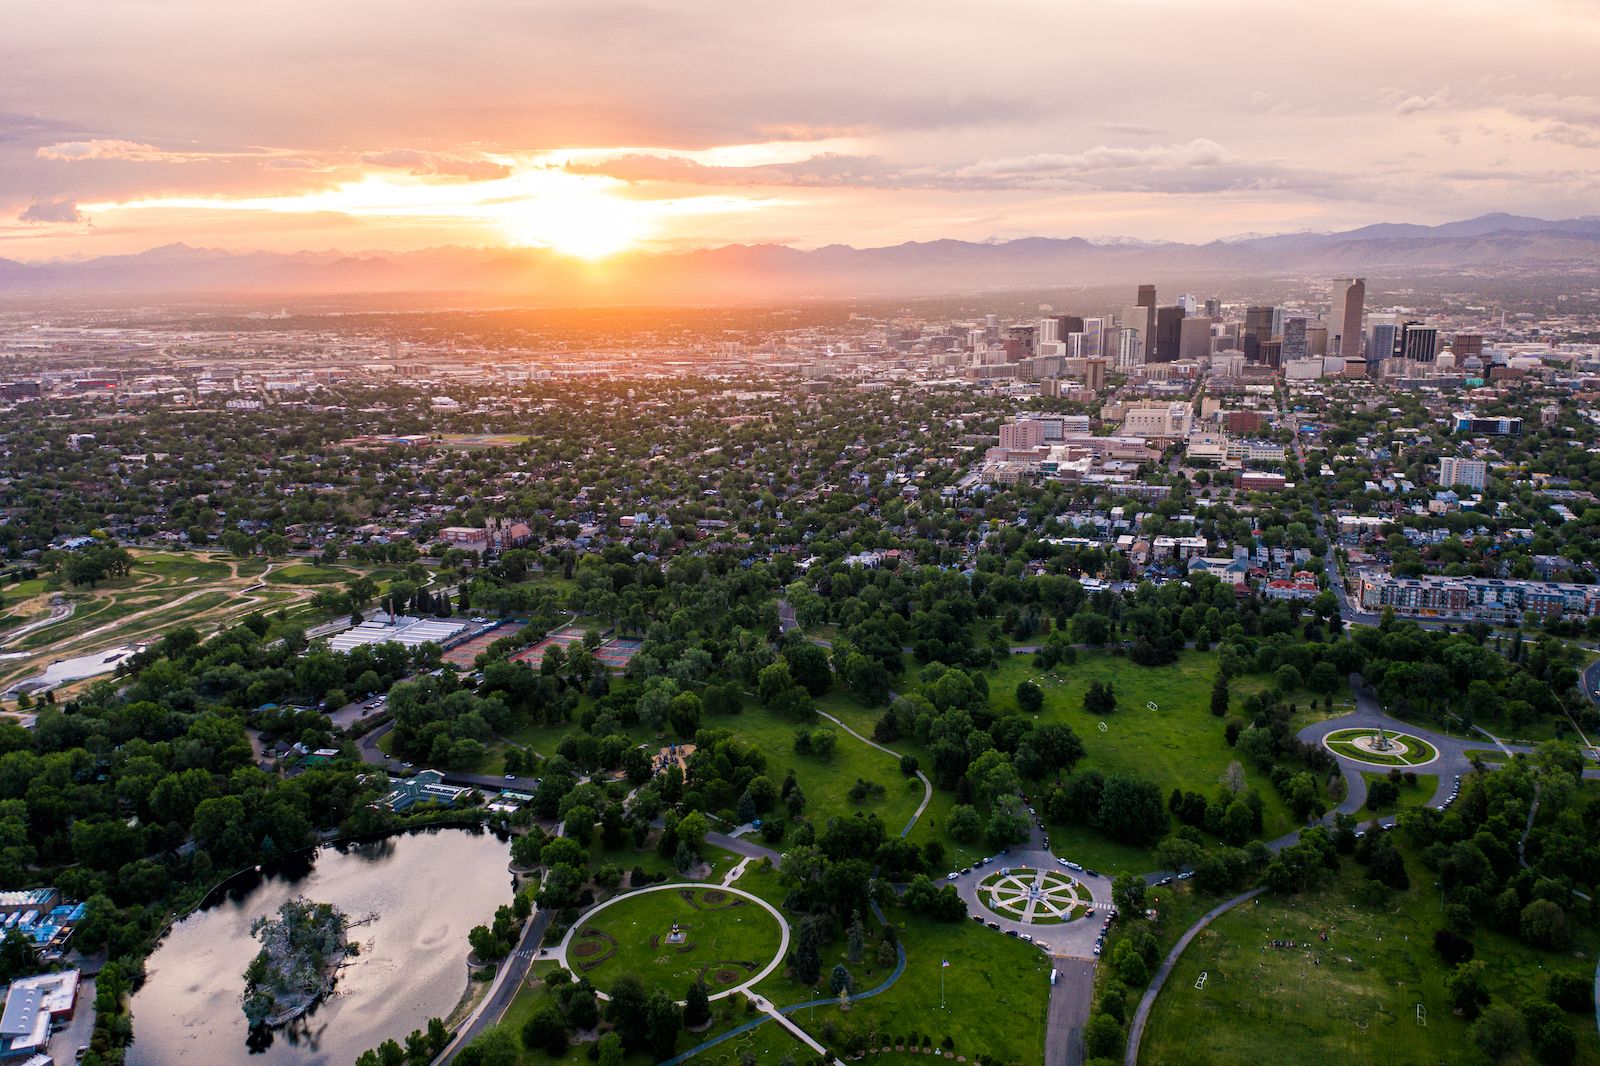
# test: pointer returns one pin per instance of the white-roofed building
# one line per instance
(400, 629)
(32, 1004)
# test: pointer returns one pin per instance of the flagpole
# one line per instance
(941, 986)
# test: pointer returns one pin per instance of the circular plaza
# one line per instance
(1380, 747)
(669, 936)
(1034, 897)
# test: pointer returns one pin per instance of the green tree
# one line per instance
(697, 1006)
(1102, 1037)
(1544, 924)
(1499, 1032)
(545, 1030)
(1127, 894)
(626, 1013)
(1468, 989)
(663, 1020)
(1030, 697)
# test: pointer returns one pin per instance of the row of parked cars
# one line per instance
(1026, 938)
(1455, 790)
(977, 864)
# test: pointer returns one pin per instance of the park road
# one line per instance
(1070, 1000)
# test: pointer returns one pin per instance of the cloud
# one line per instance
(1198, 166)
(1131, 129)
(1199, 152)
(52, 211)
(1569, 134)
(139, 152)
(826, 169)
(74, 151)
(423, 164)
(1413, 103)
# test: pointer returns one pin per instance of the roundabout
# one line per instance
(669, 936)
(1034, 897)
(1380, 747)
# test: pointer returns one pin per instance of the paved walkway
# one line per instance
(1142, 1014)
(733, 875)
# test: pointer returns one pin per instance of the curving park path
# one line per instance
(560, 952)
(927, 786)
(1148, 1000)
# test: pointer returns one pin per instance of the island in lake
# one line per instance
(301, 950)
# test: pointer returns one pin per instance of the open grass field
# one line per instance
(827, 782)
(309, 574)
(996, 993)
(1352, 998)
(1177, 743)
(726, 940)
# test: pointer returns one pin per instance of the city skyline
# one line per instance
(595, 129)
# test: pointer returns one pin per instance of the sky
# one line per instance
(594, 127)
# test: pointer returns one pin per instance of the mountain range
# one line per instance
(1489, 243)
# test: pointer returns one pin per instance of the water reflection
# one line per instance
(416, 896)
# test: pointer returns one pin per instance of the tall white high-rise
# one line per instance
(1129, 349)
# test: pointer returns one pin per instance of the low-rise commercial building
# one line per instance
(33, 1006)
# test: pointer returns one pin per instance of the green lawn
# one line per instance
(177, 569)
(1178, 744)
(1351, 999)
(309, 574)
(827, 782)
(996, 993)
(728, 940)
(1411, 795)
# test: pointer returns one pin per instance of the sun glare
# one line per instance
(579, 222)
(582, 215)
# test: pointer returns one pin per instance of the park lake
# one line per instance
(422, 891)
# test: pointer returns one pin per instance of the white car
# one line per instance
(951, 876)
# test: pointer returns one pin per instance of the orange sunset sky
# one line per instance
(594, 127)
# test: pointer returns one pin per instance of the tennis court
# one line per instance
(467, 652)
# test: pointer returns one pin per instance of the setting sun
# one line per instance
(574, 219)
